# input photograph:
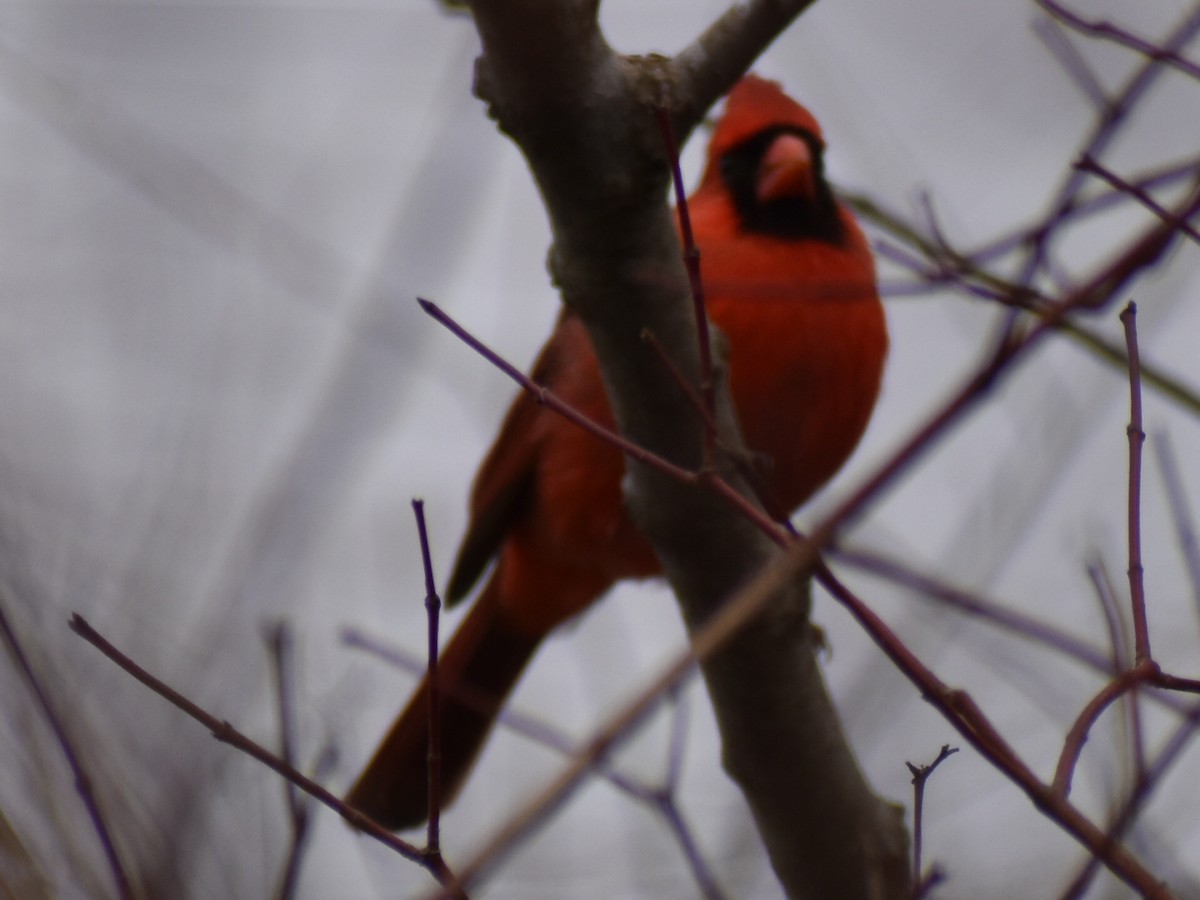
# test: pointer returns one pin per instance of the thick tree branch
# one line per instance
(582, 115)
(709, 67)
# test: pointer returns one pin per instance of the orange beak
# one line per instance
(786, 171)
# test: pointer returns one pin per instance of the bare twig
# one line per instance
(1078, 734)
(920, 776)
(547, 398)
(433, 607)
(697, 402)
(961, 711)
(1144, 786)
(1120, 645)
(79, 772)
(706, 477)
(1137, 438)
(664, 801)
(227, 734)
(691, 259)
(1121, 649)
(278, 638)
(1071, 60)
(1105, 130)
(1081, 206)
(1103, 29)
(945, 266)
(927, 883)
(994, 612)
(593, 754)
(659, 799)
(1090, 164)
(1185, 532)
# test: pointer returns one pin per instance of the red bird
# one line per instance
(790, 281)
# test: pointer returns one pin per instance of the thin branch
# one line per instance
(1121, 650)
(1071, 60)
(777, 529)
(1004, 617)
(706, 881)
(1181, 514)
(1083, 206)
(997, 614)
(592, 755)
(1137, 438)
(691, 259)
(920, 776)
(1175, 682)
(227, 734)
(964, 270)
(1090, 164)
(678, 742)
(278, 638)
(1078, 734)
(1120, 645)
(547, 398)
(961, 711)
(927, 883)
(433, 608)
(1139, 796)
(663, 800)
(79, 772)
(697, 402)
(544, 396)
(1104, 29)
(656, 798)
(1104, 131)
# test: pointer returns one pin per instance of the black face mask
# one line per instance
(815, 218)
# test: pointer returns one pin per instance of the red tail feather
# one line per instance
(476, 672)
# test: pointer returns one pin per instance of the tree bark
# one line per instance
(583, 116)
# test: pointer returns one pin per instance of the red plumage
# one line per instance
(789, 279)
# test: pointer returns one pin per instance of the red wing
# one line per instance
(506, 478)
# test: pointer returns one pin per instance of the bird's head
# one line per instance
(767, 151)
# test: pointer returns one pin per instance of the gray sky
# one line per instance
(221, 396)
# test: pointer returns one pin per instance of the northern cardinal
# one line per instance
(789, 279)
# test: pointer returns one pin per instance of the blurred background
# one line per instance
(220, 397)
